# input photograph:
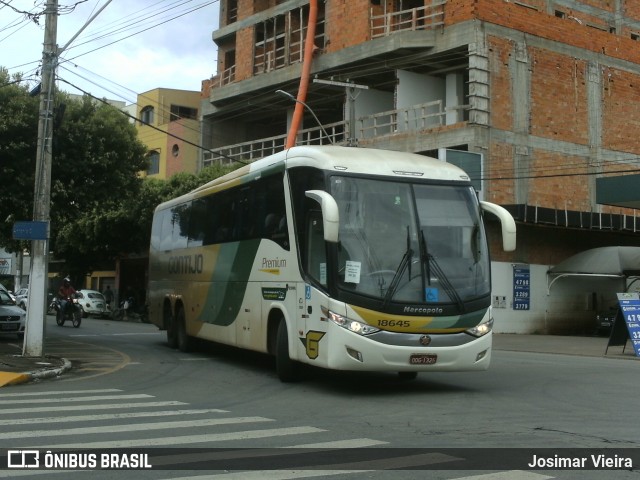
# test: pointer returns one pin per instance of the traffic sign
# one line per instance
(31, 230)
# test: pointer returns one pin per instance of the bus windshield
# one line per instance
(413, 243)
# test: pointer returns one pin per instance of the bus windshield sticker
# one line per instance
(352, 272)
(323, 273)
(432, 295)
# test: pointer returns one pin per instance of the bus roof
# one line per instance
(367, 161)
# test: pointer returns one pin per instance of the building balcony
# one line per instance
(416, 118)
(419, 18)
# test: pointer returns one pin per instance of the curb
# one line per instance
(12, 378)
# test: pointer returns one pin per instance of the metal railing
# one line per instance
(247, 152)
(227, 76)
(416, 117)
(420, 18)
(284, 44)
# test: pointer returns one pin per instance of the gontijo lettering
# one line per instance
(186, 264)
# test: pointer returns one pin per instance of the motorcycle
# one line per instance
(53, 306)
(72, 311)
(129, 310)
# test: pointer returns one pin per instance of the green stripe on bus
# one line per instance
(234, 263)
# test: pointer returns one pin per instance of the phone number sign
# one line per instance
(630, 306)
(521, 287)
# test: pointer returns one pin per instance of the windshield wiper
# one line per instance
(430, 261)
(404, 264)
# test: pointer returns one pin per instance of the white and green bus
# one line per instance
(342, 258)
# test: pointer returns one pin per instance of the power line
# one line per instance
(153, 126)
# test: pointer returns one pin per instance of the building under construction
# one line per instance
(538, 100)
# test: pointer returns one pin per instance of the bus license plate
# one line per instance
(9, 326)
(423, 359)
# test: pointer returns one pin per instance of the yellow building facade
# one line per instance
(168, 124)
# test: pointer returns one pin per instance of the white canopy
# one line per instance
(619, 262)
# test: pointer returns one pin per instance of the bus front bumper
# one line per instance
(350, 351)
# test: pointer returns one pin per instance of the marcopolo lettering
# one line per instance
(183, 264)
(423, 310)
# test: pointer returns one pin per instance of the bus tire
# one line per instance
(285, 367)
(184, 341)
(172, 331)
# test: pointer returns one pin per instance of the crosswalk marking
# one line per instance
(133, 427)
(108, 416)
(185, 440)
(270, 475)
(289, 475)
(293, 474)
(106, 406)
(75, 399)
(120, 422)
(351, 443)
(512, 475)
(57, 392)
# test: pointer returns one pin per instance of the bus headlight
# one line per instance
(481, 329)
(352, 325)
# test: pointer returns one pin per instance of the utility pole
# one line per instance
(350, 89)
(38, 277)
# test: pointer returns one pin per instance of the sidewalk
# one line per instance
(14, 368)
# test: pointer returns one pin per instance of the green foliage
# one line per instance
(96, 160)
(18, 143)
(101, 208)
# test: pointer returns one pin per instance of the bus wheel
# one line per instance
(172, 333)
(285, 367)
(185, 342)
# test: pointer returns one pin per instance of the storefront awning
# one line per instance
(616, 262)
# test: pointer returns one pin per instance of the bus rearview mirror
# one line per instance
(330, 213)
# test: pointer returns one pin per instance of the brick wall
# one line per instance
(347, 23)
(498, 166)
(621, 110)
(558, 97)
(500, 52)
(244, 53)
(564, 30)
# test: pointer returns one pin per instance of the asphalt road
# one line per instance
(222, 397)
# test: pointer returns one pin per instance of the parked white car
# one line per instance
(4, 289)
(12, 318)
(21, 298)
(92, 303)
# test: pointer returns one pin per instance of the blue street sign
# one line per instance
(31, 230)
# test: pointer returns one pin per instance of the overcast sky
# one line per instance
(132, 46)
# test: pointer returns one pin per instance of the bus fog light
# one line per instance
(481, 329)
(355, 354)
(481, 355)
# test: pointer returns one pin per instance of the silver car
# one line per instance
(12, 318)
(92, 303)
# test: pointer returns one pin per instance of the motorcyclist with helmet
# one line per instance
(66, 292)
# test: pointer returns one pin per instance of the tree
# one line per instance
(97, 160)
(101, 207)
(18, 142)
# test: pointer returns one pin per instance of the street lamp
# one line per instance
(291, 97)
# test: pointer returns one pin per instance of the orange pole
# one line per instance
(306, 74)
